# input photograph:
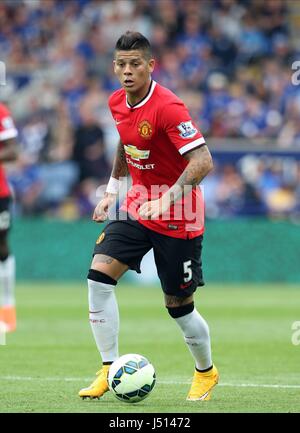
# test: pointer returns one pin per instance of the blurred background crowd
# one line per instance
(229, 60)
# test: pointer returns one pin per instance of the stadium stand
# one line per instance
(229, 60)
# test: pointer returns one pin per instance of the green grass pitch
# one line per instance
(52, 354)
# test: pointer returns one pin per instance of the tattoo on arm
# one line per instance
(120, 168)
(200, 164)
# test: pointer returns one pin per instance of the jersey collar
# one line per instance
(145, 99)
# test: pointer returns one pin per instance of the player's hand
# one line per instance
(154, 208)
(101, 210)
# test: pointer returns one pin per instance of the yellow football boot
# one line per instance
(98, 387)
(202, 385)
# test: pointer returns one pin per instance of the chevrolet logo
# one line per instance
(135, 153)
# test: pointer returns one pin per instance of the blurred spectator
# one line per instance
(68, 41)
(89, 149)
(252, 42)
(27, 186)
(230, 191)
(36, 139)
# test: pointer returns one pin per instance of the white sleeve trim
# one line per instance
(191, 145)
(8, 133)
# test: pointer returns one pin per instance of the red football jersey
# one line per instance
(156, 133)
(7, 131)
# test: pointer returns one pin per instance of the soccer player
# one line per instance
(8, 152)
(167, 158)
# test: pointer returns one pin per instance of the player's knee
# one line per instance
(181, 310)
(3, 254)
(4, 250)
(108, 266)
(100, 289)
(100, 281)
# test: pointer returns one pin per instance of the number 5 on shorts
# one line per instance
(187, 271)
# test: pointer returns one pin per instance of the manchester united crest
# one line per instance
(145, 129)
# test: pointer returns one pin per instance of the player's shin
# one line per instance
(196, 334)
(104, 314)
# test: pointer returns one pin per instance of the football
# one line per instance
(131, 378)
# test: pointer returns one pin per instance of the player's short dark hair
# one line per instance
(134, 41)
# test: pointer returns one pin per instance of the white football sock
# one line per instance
(104, 319)
(7, 281)
(196, 336)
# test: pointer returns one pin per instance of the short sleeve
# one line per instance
(7, 126)
(180, 128)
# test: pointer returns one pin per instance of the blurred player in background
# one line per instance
(8, 152)
(159, 146)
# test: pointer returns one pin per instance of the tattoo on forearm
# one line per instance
(200, 164)
(120, 168)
